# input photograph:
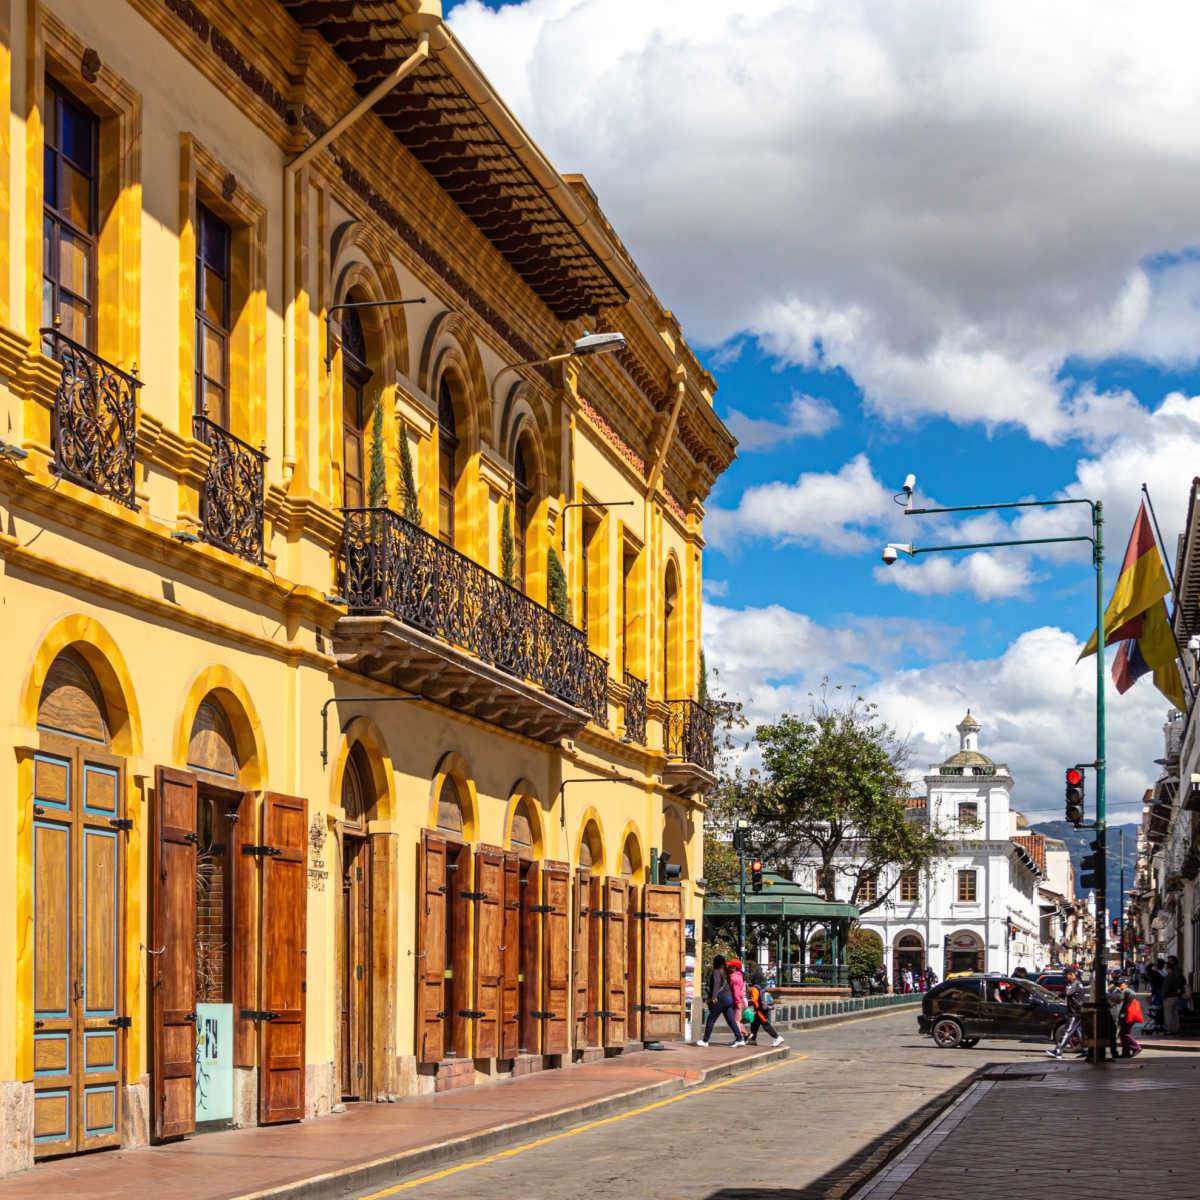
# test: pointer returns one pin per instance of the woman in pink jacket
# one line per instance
(737, 981)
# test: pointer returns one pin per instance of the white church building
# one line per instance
(978, 908)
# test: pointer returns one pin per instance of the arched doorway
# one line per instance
(964, 950)
(909, 956)
(78, 915)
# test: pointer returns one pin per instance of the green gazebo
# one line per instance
(791, 913)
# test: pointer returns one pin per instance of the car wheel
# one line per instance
(947, 1034)
(967, 1043)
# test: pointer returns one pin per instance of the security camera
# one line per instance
(910, 484)
(889, 555)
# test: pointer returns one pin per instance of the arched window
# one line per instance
(521, 517)
(356, 376)
(450, 807)
(357, 789)
(522, 826)
(211, 745)
(71, 700)
(591, 848)
(670, 629)
(447, 463)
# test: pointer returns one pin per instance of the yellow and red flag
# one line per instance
(1142, 582)
(1150, 646)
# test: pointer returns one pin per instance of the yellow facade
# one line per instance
(168, 610)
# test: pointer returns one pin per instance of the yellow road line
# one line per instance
(513, 1151)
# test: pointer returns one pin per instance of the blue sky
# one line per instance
(956, 240)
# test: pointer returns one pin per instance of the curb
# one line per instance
(855, 1015)
(393, 1168)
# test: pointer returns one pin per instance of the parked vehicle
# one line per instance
(1052, 981)
(964, 1009)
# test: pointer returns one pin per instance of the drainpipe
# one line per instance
(423, 21)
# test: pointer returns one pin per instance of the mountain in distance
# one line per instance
(1079, 843)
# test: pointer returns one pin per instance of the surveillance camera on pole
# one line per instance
(893, 550)
(910, 485)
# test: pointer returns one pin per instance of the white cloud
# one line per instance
(948, 200)
(832, 510)
(989, 576)
(807, 416)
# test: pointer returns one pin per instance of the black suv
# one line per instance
(964, 1009)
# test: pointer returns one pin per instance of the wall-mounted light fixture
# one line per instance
(352, 700)
(354, 304)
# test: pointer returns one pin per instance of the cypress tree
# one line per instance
(412, 510)
(508, 565)
(556, 586)
(377, 496)
(703, 681)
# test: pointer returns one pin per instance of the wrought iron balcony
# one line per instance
(231, 503)
(94, 420)
(690, 733)
(635, 709)
(427, 618)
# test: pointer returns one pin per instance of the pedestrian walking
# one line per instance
(737, 983)
(908, 980)
(720, 1003)
(1073, 998)
(1130, 1020)
(759, 999)
(1172, 990)
(931, 978)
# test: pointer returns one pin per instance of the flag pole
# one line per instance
(1162, 549)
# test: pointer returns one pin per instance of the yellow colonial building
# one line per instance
(351, 493)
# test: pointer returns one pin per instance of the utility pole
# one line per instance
(1121, 901)
(739, 844)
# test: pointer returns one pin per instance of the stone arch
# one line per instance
(524, 828)
(671, 631)
(455, 770)
(93, 644)
(363, 732)
(589, 846)
(72, 702)
(674, 839)
(361, 260)
(633, 860)
(219, 684)
(450, 348)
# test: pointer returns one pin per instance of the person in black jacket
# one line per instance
(720, 1003)
(1073, 997)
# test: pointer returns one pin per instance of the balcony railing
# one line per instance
(391, 566)
(819, 975)
(231, 503)
(94, 421)
(690, 733)
(635, 709)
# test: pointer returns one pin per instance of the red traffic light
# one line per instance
(1074, 776)
(756, 865)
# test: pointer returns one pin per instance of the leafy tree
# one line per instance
(720, 864)
(703, 691)
(833, 788)
(412, 509)
(377, 496)
(556, 586)
(864, 955)
(508, 565)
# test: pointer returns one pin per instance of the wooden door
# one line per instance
(510, 960)
(662, 963)
(616, 967)
(556, 958)
(284, 926)
(579, 955)
(78, 863)
(489, 937)
(431, 948)
(356, 974)
(595, 959)
(173, 934)
(458, 950)
(633, 961)
(530, 1031)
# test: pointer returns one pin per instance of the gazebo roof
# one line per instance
(783, 900)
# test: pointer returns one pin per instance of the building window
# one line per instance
(356, 375)
(447, 463)
(70, 219)
(212, 317)
(589, 531)
(523, 495)
(910, 888)
(670, 621)
(867, 891)
(966, 887)
(968, 814)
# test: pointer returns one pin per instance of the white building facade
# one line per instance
(977, 909)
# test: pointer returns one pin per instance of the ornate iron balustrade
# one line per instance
(94, 420)
(635, 709)
(231, 502)
(690, 733)
(391, 566)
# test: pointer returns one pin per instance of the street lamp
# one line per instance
(892, 552)
(582, 347)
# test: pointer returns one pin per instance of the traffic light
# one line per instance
(1074, 796)
(1116, 927)
(739, 836)
(1012, 931)
(756, 875)
(1089, 867)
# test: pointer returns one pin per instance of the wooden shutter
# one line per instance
(459, 992)
(595, 959)
(556, 958)
(244, 832)
(489, 937)
(662, 962)
(530, 1034)
(284, 924)
(616, 982)
(510, 960)
(173, 938)
(579, 953)
(633, 961)
(431, 949)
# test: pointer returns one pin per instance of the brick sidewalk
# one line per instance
(1044, 1129)
(370, 1142)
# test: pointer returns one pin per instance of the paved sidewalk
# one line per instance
(1041, 1129)
(370, 1144)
